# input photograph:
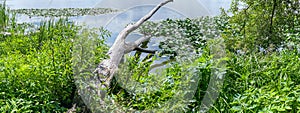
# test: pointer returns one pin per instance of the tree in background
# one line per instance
(263, 23)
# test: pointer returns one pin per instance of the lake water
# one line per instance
(131, 11)
(191, 8)
(211, 5)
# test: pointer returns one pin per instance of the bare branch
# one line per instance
(119, 48)
(130, 46)
(133, 27)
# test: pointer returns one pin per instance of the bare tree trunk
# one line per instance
(108, 67)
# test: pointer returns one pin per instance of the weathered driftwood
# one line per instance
(108, 67)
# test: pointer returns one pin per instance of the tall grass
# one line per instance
(4, 16)
(261, 83)
(36, 73)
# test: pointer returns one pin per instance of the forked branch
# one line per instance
(108, 67)
(119, 48)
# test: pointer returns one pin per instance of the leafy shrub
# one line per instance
(16, 105)
(283, 97)
(180, 86)
(36, 70)
(261, 82)
(258, 24)
(37, 67)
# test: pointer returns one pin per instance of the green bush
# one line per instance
(36, 67)
(36, 70)
(261, 82)
(284, 97)
(267, 24)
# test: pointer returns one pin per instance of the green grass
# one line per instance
(36, 68)
(261, 83)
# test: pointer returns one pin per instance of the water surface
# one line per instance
(131, 11)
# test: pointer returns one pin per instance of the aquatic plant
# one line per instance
(64, 12)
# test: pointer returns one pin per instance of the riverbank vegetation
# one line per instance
(64, 12)
(35, 66)
(255, 50)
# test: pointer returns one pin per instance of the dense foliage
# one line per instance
(261, 83)
(255, 46)
(262, 47)
(36, 71)
(265, 24)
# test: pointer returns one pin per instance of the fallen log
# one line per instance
(107, 68)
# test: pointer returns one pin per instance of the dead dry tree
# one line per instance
(107, 68)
